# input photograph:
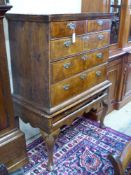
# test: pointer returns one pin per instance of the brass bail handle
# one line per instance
(98, 73)
(66, 87)
(67, 43)
(71, 26)
(99, 55)
(67, 65)
(100, 22)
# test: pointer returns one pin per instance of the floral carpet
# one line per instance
(81, 149)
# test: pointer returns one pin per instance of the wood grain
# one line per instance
(45, 94)
(75, 85)
(73, 65)
(12, 141)
(95, 6)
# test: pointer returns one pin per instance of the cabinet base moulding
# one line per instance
(12, 150)
(122, 103)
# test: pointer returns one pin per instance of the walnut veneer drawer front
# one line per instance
(68, 88)
(96, 40)
(98, 25)
(68, 67)
(66, 28)
(64, 47)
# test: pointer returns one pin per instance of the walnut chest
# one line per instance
(59, 67)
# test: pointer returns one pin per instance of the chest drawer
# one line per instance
(75, 85)
(71, 66)
(96, 40)
(98, 25)
(64, 47)
(66, 28)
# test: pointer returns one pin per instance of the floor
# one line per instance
(119, 120)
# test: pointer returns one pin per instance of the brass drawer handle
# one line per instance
(98, 73)
(67, 43)
(83, 76)
(84, 57)
(67, 65)
(85, 38)
(99, 55)
(100, 22)
(100, 37)
(66, 87)
(71, 26)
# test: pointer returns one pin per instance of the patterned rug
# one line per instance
(81, 149)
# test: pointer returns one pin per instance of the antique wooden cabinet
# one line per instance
(12, 140)
(125, 83)
(59, 66)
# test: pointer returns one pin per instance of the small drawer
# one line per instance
(98, 25)
(64, 29)
(64, 47)
(64, 69)
(68, 88)
(96, 40)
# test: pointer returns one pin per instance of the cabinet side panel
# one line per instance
(6, 105)
(29, 59)
(3, 119)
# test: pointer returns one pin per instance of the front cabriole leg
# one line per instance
(50, 142)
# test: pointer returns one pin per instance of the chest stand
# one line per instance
(51, 125)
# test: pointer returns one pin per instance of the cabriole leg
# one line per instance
(50, 142)
(104, 112)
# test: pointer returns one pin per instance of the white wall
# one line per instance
(46, 6)
(38, 7)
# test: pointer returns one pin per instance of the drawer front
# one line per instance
(98, 25)
(64, 47)
(96, 40)
(64, 29)
(71, 66)
(68, 88)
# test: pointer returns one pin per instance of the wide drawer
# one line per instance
(66, 28)
(98, 25)
(68, 88)
(65, 68)
(64, 47)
